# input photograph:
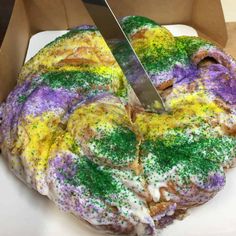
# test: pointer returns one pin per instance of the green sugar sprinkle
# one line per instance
(75, 79)
(154, 56)
(70, 34)
(118, 147)
(84, 82)
(157, 59)
(197, 157)
(191, 44)
(22, 98)
(75, 148)
(98, 181)
(131, 23)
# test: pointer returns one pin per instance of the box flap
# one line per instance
(46, 15)
(13, 49)
(162, 11)
(208, 18)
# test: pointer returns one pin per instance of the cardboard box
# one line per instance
(32, 16)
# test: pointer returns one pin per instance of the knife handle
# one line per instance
(96, 2)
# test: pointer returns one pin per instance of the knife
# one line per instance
(135, 73)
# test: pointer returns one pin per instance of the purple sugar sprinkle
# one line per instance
(216, 182)
(47, 99)
(185, 74)
(220, 82)
(65, 163)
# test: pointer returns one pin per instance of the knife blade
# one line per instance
(135, 73)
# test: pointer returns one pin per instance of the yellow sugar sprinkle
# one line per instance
(188, 109)
(96, 115)
(36, 135)
(154, 37)
(83, 49)
(64, 142)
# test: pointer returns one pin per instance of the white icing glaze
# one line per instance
(131, 181)
(167, 195)
(154, 189)
(134, 210)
